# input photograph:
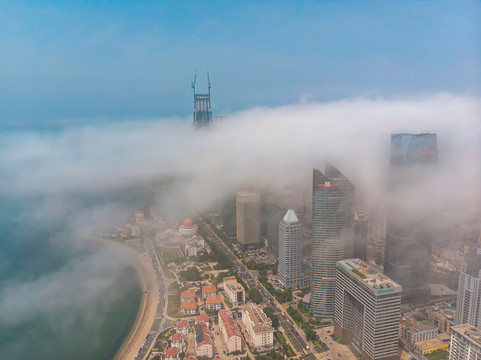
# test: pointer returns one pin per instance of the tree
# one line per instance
(255, 296)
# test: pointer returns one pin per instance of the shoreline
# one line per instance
(148, 302)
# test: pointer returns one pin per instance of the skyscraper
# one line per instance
(290, 251)
(248, 218)
(332, 235)
(468, 304)
(202, 110)
(360, 235)
(367, 310)
(407, 254)
(276, 207)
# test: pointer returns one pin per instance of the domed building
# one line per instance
(188, 228)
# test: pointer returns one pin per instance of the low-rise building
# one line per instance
(465, 343)
(203, 341)
(188, 307)
(235, 292)
(213, 302)
(260, 332)
(187, 295)
(177, 340)
(209, 290)
(183, 327)
(422, 348)
(442, 316)
(172, 353)
(230, 331)
(202, 319)
(412, 331)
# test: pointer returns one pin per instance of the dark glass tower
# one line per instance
(407, 255)
(332, 235)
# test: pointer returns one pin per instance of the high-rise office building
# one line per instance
(360, 235)
(367, 310)
(407, 254)
(229, 215)
(465, 343)
(290, 251)
(248, 219)
(332, 235)
(276, 207)
(202, 110)
(468, 304)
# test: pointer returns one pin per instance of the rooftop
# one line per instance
(469, 332)
(290, 216)
(230, 325)
(259, 319)
(216, 299)
(209, 289)
(430, 344)
(188, 294)
(371, 277)
(171, 352)
(182, 324)
(177, 338)
(231, 282)
(191, 304)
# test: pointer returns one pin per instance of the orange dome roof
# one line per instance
(188, 222)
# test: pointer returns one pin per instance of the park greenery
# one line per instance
(190, 274)
(270, 314)
(438, 355)
(255, 296)
(286, 349)
(306, 327)
(281, 296)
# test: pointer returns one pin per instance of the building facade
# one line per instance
(332, 235)
(465, 343)
(276, 208)
(367, 310)
(248, 219)
(360, 235)
(468, 305)
(290, 251)
(235, 292)
(258, 327)
(409, 234)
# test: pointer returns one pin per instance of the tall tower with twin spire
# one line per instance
(202, 110)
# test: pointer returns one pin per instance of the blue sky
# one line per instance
(69, 62)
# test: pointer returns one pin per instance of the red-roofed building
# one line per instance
(230, 331)
(183, 327)
(202, 319)
(214, 302)
(188, 307)
(177, 340)
(203, 340)
(209, 290)
(171, 353)
(187, 295)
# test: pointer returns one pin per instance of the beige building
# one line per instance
(230, 331)
(235, 292)
(248, 217)
(258, 327)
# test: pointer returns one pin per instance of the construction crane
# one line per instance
(220, 116)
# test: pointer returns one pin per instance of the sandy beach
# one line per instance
(148, 305)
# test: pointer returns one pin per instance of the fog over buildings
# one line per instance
(273, 148)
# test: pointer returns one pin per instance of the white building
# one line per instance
(465, 343)
(235, 292)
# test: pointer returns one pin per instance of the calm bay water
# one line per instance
(57, 299)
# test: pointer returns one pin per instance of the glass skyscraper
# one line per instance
(332, 234)
(407, 254)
